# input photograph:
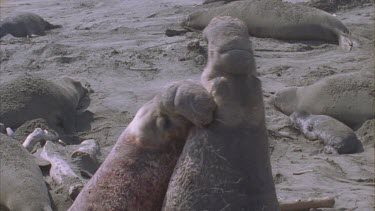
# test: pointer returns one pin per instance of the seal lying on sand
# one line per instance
(136, 173)
(226, 166)
(25, 25)
(28, 98)
(22, 185)
(345, 97)
(278, 19)
(336, 136)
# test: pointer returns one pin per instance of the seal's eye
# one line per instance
(163, 122)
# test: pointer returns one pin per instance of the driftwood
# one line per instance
(37, 136)
(323, 202)
(61, 172)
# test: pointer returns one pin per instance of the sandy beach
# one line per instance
(121, 50)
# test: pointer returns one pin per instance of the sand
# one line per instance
(121, 49)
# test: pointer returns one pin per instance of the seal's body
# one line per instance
(336, 136)
(136, 173)
(28, 98)
(226, 166)
(346, 97)
(22, 187)
(25, 25)
(278, 19)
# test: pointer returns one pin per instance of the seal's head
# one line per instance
(169, 116)
(191, 21)
(296, 118)
(286, 100)
(79, 92)
(229, 47)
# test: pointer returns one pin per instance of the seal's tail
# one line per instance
(51, 26)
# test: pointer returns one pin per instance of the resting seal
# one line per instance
(278, 19)
(22, 185)
(346, 97)
(25, 25)
(336, 136)
(135, 174)
(28, 98)
(226, 166)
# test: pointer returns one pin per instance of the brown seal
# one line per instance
(280, 20)
(25, 25)
(136, 173)
(226, 166)
(336, 136)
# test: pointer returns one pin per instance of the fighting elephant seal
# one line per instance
(135, 174)
(278, 19)
(22, 185)
(336, 136)
(346, 97)
(25, 25)
(27, 98)
(226, 165)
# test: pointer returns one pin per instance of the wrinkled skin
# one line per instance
(226, 166)
(135, 174)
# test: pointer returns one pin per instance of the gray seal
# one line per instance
(336, 136)
(25, 25)
(27, 98)
(226, 165)
(347, 97)
(22, 184)
(278, 19)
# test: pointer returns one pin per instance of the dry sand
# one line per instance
(120, 48)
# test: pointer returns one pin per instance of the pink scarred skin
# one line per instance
(136, 173)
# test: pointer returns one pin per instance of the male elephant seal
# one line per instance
(22, 187)
(278, 19)
(25, 25)
(347, 97)
(27, 98)
(226, 166)
(135, 174)
(336, 136)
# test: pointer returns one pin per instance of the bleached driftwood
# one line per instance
(88, 147)
(36, 136)
(10, 132)
(60, 171)
(300, 204)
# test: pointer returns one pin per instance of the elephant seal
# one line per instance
(135, 174)
(336, 136)
(278, 19)
(22, 184)
(25, 25)
(226, 165)
(27, 98)
(346, 97)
